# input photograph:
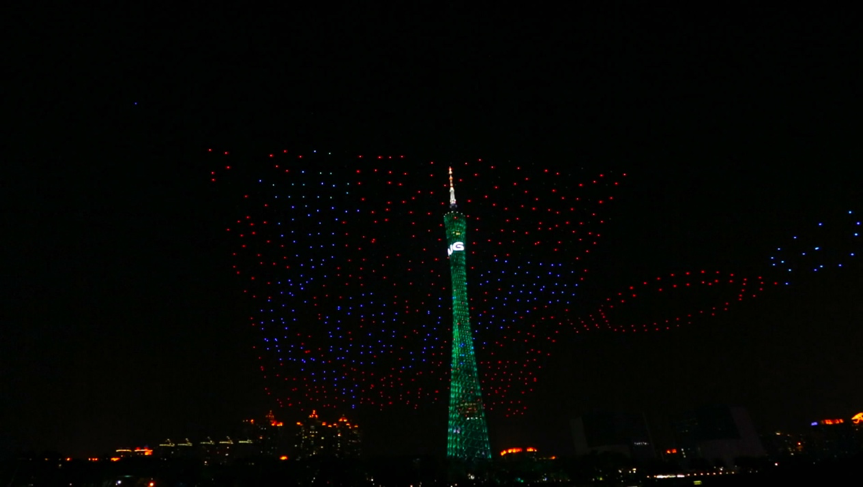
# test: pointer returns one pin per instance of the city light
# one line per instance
(529, 449)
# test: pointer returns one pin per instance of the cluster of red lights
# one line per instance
(734, 288)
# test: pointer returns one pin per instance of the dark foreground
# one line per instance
(47, 470)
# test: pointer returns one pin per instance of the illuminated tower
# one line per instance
(467, 437)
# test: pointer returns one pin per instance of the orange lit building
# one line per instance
(132, 452)
(267, 437)
(122, 453)
(316, 437)
(528, 452)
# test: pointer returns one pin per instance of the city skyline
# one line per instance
(699, 433)
(736, 132)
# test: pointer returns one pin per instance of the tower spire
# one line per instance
(452, 204)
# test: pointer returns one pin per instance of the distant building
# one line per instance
(133, 452)
(345, 438)
(522, 453)
(316, 437)
(122, 453)
(253, 430)
(178, 449)
(622, 433)
(718, 434)
(310, 438)
(185, 449)
(527, 465)
(209, 450)
(224, 450)
(228, 449)
(142, 451)
(781, 445)
(835, 438)
(254, 438)
(267, 435)
(167, 449)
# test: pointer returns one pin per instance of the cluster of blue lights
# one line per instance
(830, 246)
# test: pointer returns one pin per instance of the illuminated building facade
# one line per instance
(266, 436)
(467, 434)
(514, 452)
(340, 439)
(345, 438)
(310, 438)
(122, 453)
(172, 449)
(132, 452)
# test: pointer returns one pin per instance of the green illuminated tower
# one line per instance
(467, 437)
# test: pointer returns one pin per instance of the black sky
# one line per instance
(122, 326)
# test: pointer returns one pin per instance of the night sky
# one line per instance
(738, 129)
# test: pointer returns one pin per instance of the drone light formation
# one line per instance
(345, 265)
(344, 262)
(829, 245)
